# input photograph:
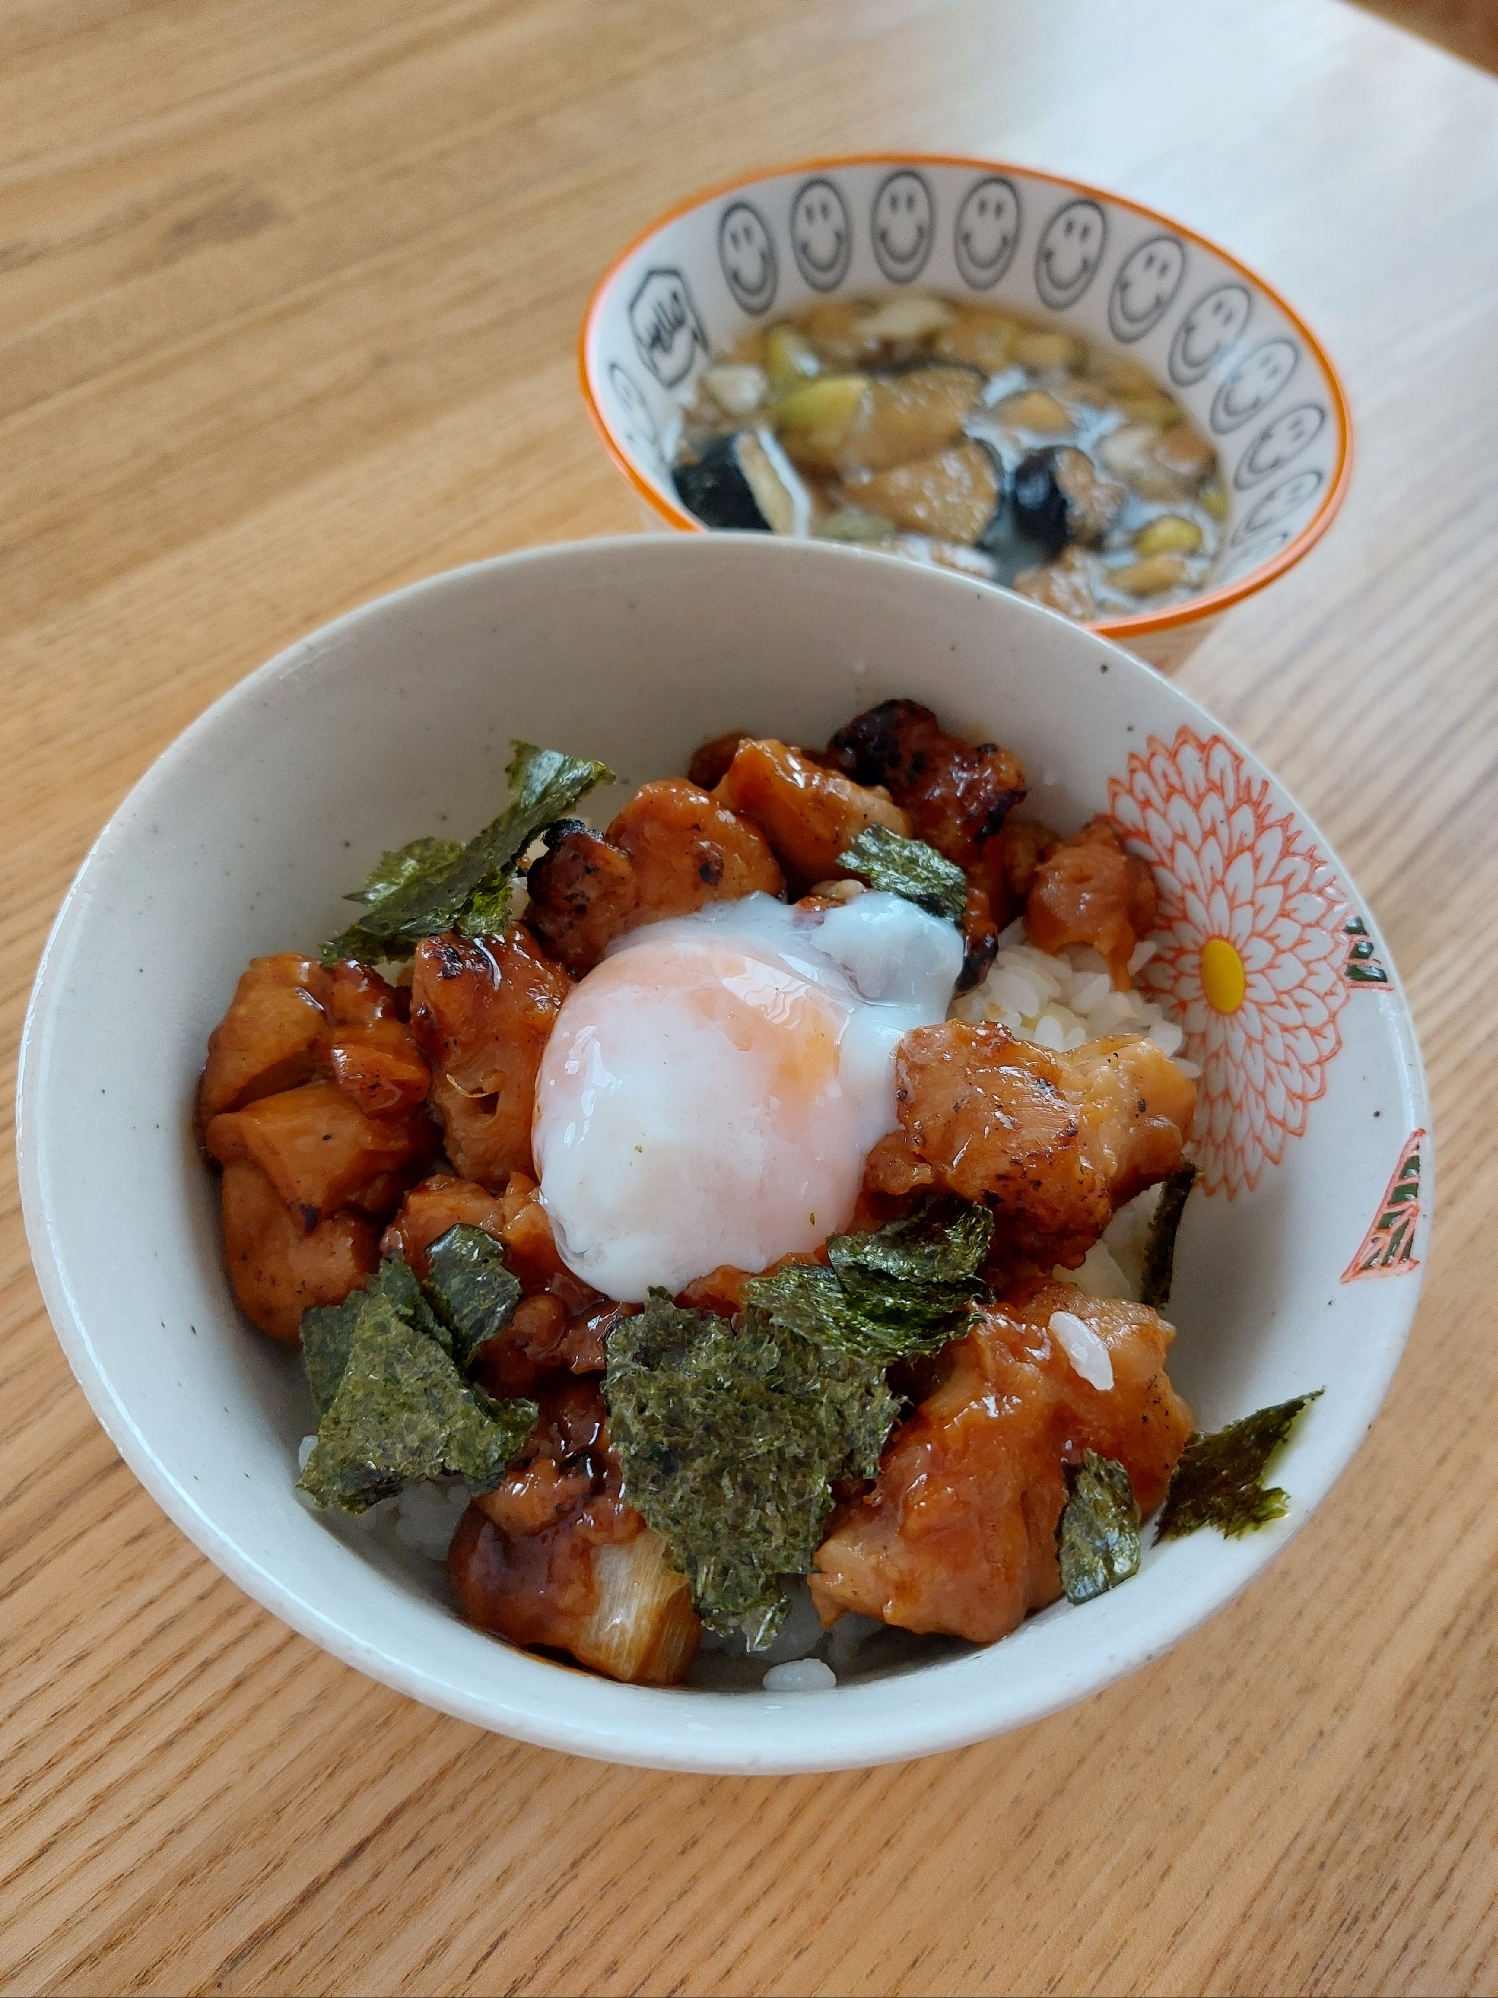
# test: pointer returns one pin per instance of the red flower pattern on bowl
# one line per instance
(1250, 947)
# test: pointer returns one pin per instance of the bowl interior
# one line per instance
(395, 721)
(1249, 372)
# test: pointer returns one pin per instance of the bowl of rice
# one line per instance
(1263, 976)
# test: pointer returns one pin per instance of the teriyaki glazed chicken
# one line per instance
(752, 1218)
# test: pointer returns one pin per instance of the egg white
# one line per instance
(711, 1090)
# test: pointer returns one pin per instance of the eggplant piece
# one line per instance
(744, 481)
(1060, 497)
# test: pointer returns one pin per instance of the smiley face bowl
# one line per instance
(1246, 371)
(1297, 1268)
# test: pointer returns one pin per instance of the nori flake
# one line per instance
(908, 867)
(1160, 1243)
(394, 1407)
(731, 1436)
(434, 884)
(327, 1341)
(469, 1282)
(1219, 1479)
(1099, 1534)
(907, 1288)
(418, 861)
(328, 1329)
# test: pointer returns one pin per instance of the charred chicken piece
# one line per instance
(1054, 1143)
(958, 1532)
(555, 1559)
(980, 938)
(808, 814)
(1087, 890)
(957, 796)
(671, 849)
(482, 1012)
(279, 1267)
(582, 895)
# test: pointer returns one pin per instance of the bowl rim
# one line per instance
(1211, 603)
(633, 1725)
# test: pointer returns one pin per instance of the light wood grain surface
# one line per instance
(288, 297)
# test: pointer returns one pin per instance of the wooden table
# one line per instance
(288, 296)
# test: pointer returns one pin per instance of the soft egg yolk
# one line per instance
(708, 1097)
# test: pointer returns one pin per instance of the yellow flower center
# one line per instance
(1223, 978)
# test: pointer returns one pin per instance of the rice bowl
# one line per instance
(645, 648)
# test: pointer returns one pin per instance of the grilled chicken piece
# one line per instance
(957, 796)
(671, 849)
(582, 895)
(808, 814)
(1054, 1143)
(558, 1325)
(688, 849)
(555, 1558)
(1087, 890)
(429, 1210)
(276, 1265)
(268, 1040)
(980, 938)
(958, 1533)
(321, 1152)
(290, 1020)
(482, 1013)
(1024, 843)
(709, 764)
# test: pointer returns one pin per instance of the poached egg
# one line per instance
(711, 1090)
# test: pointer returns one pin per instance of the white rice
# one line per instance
(804, 1675)
(1086, 1351)
(423, 1518)
(1061, 1000)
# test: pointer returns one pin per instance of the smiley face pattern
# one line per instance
(821, 235)
(1070, 252)
(987, 231)
(848, 229)
(746, 250)
(902, 226)
(1144, 290)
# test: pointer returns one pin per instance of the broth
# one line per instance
(964, 435)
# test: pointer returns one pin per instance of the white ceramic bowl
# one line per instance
(395, 720)
(1245, 365)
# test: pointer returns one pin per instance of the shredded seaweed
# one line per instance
(469, 1282)
(434, 884)
(1099, 1533)
(908, 867)
(731, 1436)
(1160, 1243)
(907, 1288)
(1219, 1480)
